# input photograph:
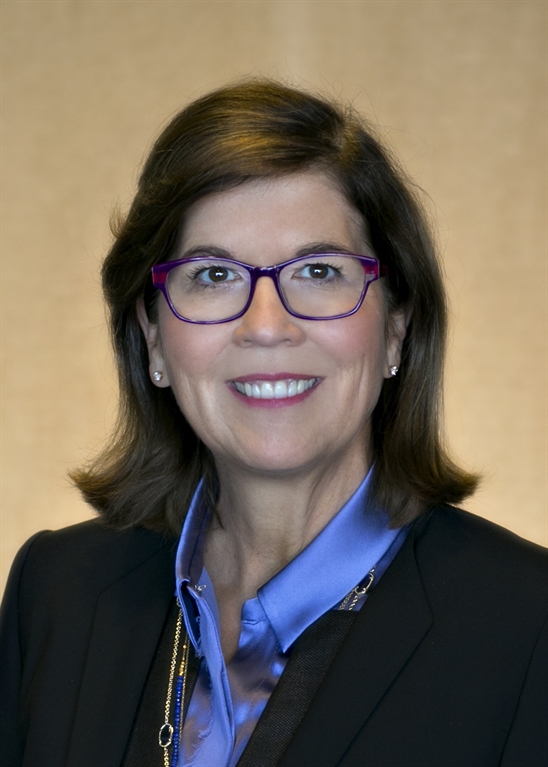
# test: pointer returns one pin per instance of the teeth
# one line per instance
(280, 390)
(267, 391)
(274, 389)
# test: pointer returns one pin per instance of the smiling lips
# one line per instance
(279, 389)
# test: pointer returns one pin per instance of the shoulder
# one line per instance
(466, 560)
(84, 558)
(473, 537)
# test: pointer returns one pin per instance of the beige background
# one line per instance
(459, 89)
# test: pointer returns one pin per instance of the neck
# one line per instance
(263, 522)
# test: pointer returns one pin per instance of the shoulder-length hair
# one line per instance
(150, 469)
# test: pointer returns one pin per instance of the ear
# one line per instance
(151, 332)
(396, 332)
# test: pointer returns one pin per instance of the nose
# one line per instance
(266, 322)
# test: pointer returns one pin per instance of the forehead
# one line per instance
(280, 215)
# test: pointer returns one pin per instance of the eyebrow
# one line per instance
(323, 247)
(213, 251)
(206, 250)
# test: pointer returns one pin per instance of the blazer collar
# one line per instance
(384, 635)
(128, 621)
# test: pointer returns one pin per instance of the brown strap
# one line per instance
(310, 659)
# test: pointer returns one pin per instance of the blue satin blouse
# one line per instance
(228, 699)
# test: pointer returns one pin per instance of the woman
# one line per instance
(278, 319)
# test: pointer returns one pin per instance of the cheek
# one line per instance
(190, 351)
(357, 341)
(189, 359)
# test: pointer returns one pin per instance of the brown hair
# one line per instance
(148, 472)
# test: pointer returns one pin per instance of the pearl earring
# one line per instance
(157, 375)
(394, 370)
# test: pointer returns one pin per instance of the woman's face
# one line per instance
(262, 223)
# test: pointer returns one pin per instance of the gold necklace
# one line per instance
(168, 730)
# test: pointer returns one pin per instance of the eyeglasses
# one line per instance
(321, 286)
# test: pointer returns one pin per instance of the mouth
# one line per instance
(279, 389)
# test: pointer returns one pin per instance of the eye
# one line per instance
(318, 271)
(214, 275)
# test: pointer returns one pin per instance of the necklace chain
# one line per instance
(358, 591)
(168, 730)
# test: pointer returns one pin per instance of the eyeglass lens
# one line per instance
(212, 289)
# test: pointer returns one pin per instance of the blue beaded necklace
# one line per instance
(170, 734)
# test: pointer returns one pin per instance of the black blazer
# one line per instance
(446, 665)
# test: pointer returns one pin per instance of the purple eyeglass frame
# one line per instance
(371, 266)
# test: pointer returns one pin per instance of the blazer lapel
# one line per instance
(386, 632)
(128, 622)
(308, 663)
